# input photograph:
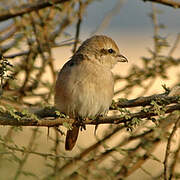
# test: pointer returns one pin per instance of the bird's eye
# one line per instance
(110, 51)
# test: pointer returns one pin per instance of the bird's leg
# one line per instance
(97, 123)
(81, 123)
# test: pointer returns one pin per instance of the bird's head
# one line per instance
(102, 50)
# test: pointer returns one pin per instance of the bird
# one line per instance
(85, 85)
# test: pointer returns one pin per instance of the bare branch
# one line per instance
(27, 8)
(78, 26)
(22, 150)
(107, 18)
(174, 4)
(168, 149)
(16, 54)
(145, 101)
(174, 45)
(8, 35)
(175, 161)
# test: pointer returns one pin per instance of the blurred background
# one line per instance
(38, 42)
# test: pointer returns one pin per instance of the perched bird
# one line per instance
(85, 85)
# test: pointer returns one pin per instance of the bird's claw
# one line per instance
(81, 124)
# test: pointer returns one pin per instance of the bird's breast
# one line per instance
(84, 91)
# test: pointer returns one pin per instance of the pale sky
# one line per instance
(132, 15)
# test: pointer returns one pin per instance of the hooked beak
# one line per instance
(121, 58)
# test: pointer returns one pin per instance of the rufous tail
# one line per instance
(71, 138)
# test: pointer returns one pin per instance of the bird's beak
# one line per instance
(121, 58)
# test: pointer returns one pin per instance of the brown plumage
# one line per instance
(85, 84)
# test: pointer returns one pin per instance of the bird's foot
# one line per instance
(82, 124)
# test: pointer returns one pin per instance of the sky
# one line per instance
(132, 15)
(131, 27)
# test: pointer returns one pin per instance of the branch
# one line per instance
(140, 115)
(23, 53)
(27, 8)
(170, 3)
(168, 149)
(145, 101)
(108, 17)
(47, 117)
(174, 45)
(78, 26)
(166, 103)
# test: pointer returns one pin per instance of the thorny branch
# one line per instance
(39, 30)
(44, 114)
(145, 136)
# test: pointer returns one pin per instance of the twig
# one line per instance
(16, 54)
(56, 151)
(11, 56)
(141, 160)
(8, 35)
(78, 25)
(174, 46)
(128, 160)
(109, 15)
(156, 30)
(73, 164)
(26, 154)
(11, 44)
(173, 165)
(27, 8)
(168, 148)
(45, 155)
(4, 29)
(174, 4)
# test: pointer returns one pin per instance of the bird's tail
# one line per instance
(71, 138)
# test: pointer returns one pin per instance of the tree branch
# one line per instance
(170, 3)
(168, 149)
(47, 117)
(145, 101)
(27, 8)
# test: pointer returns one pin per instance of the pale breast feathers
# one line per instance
(78, 96)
